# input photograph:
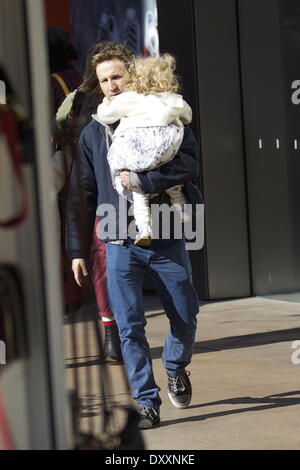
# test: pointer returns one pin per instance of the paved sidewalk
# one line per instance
(246, 390)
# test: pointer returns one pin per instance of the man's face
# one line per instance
(111, 75)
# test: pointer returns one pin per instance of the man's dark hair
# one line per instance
(114, 51)
(100, 53)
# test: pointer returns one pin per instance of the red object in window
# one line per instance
(57, 13)
(5, 436)
(8, 129)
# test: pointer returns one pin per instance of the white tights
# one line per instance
(141, 206)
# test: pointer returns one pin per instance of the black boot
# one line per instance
(112, 349)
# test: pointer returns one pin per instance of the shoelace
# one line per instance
(178, 383)
(146, 411)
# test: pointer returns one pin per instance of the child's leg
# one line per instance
(178, 200)
(142, 216)
(176, 195)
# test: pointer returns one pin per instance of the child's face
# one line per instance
(111, 76)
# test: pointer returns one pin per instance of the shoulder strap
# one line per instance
(66, 106)
(61, 82)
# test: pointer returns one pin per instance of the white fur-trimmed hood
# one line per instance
(159, 109)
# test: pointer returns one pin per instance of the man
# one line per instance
(127, 263)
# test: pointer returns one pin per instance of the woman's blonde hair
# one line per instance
(153, 75)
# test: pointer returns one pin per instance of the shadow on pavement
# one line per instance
(265, 403)
(237, 342)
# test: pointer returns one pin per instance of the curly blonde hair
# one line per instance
(153, 75)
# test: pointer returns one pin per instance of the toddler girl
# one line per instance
(152, 117)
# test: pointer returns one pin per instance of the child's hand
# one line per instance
(125, 180)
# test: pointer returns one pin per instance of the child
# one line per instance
(152, 116)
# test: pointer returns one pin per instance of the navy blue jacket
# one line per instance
(91, 186)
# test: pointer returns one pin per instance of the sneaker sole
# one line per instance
(148, 425)
(143, 241)
(178, 405)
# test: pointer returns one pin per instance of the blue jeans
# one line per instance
(126, 269)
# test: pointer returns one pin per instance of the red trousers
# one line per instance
(98, 257)
(73, 293)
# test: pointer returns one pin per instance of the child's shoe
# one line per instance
(143, 238)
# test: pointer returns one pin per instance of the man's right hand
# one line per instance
(79, 270)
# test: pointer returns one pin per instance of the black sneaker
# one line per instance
(180, 390)
(149, 417)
